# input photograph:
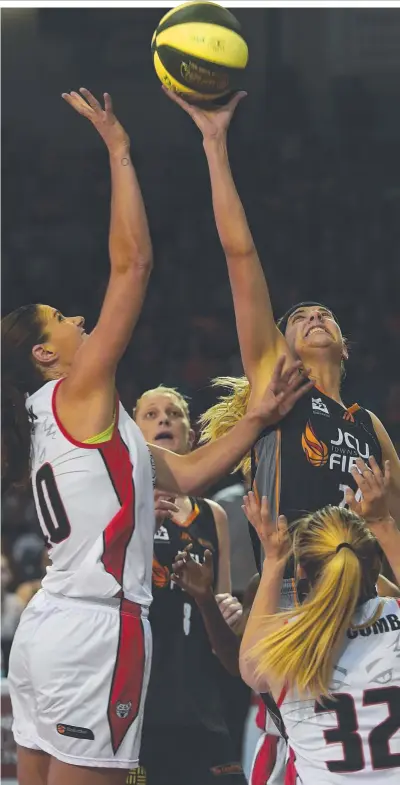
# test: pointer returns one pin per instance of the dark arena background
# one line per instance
(315, 152)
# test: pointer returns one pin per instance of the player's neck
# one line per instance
(327, 378)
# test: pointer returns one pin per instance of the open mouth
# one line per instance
(164, 436)
(317, 328)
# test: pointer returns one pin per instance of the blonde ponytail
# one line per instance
(220, 418)
(302, 653)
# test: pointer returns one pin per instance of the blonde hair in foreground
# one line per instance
(302, 653)
(229, 409)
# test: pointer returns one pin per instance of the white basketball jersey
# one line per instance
(356, 736)
(95, 505)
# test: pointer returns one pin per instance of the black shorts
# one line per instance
(184, 756)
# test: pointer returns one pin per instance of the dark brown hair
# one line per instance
(21, 330)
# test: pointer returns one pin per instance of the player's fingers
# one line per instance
(376, 471)
(77, 103)
(360, 479)
(386, 474)
(188, 549)
(178, 565)
(292, 375)
(350, 499)
(232, 104)
(277, 373)
(226, 606)
(108, 103)
(220, 597)
(366, 473)
(162, 505)
(232, 610)
(265, 513)
(208, 559)
(293, 393)
(282, 524)
(177, 99)
(92, 101)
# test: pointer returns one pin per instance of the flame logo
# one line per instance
(316, 451)
(160, 575)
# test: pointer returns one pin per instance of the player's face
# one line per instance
(163, 421)
(313, 328)
(65, 334)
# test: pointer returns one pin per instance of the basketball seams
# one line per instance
(182, 38)
(198, 50)
(199, 12)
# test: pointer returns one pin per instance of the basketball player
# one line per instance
(334, 668)
(185, 739)
(269, 756)
(318, 443)
(80, 660)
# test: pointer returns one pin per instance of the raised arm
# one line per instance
(197, 580)
(276, 545)
(389, 453)
(92, 375)
(374, 506)
(192, 473)
(261, 343)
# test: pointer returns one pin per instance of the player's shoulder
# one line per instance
(43, 395)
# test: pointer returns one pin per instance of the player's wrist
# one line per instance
(215, 145)
(384, 528)
(120, 153)
(275, 564)
(205, 597)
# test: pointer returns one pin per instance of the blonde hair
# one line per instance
(161, 390)
(229, 409)
(220, 418)
(302, 653)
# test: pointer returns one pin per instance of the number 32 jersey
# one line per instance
(95, 505)
(355, 735)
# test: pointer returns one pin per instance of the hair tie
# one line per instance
(345, 545)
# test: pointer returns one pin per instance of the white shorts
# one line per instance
(78, 678)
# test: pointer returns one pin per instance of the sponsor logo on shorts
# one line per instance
(226, 768)
(74, 731)
(122, 709)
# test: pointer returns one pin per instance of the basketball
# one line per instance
(199, 51)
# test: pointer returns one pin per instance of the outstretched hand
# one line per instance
(274, 537)
(283, 391)
(104, 120)
(374, 485)
(197, 579)
(212, 123)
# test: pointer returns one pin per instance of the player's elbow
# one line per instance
(239, 254)
(127, 257)
(188, 484)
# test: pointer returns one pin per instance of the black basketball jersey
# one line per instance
(304, 463)
(183, 688)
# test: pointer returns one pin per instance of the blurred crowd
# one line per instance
(324, 211)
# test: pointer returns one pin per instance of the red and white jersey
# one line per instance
(354, 737)
(95, 504)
